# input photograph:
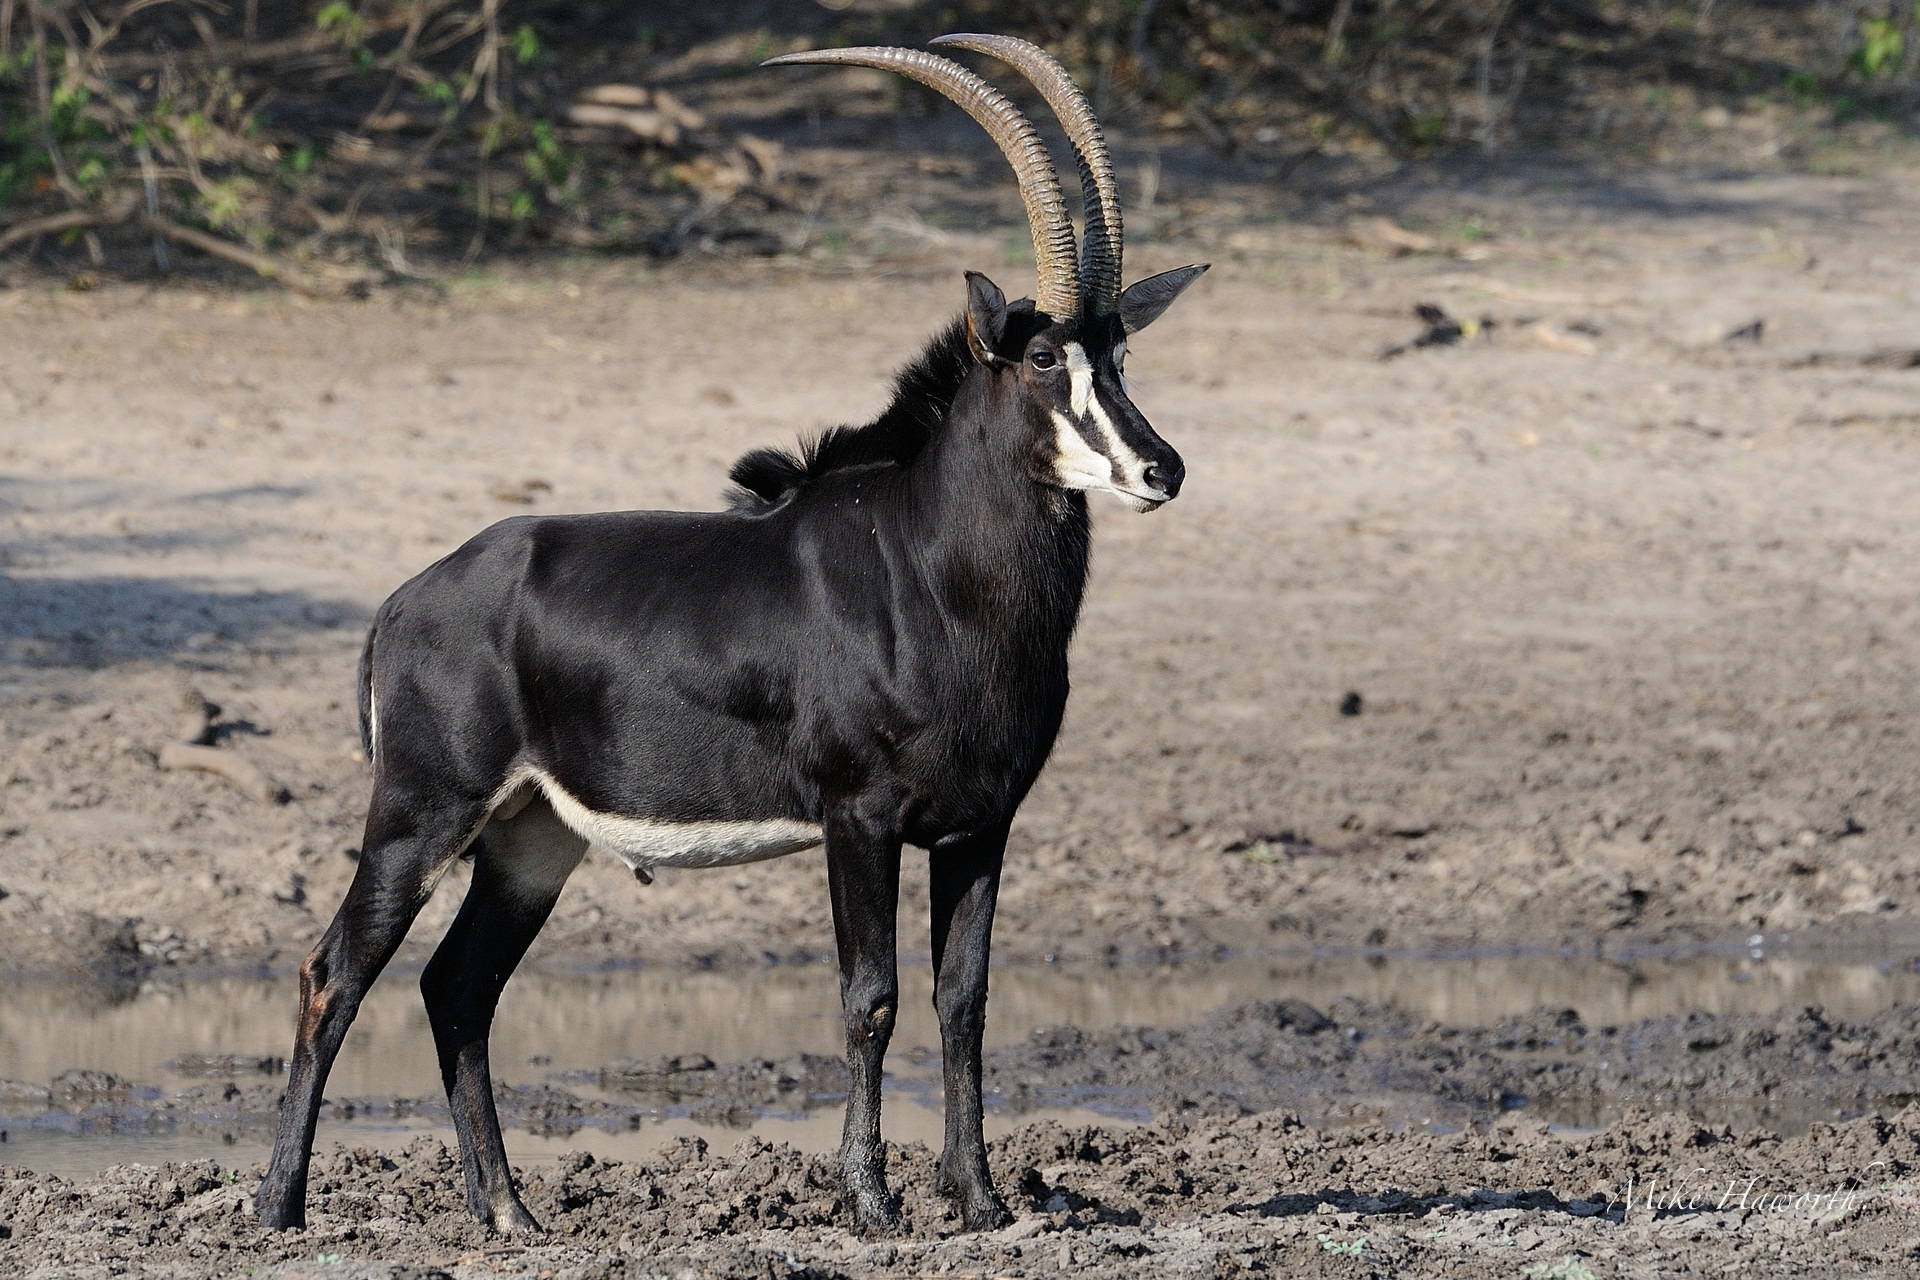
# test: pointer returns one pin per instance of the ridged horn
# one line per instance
(1053, 255)
(1102, 240)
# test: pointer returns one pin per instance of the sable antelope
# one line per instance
(868, 649)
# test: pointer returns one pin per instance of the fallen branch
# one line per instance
(650, 125)
(55, 223)
(266, 264)
(313, 45)
(180, 755)
(196, 730)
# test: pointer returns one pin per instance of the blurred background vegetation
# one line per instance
(334, 143)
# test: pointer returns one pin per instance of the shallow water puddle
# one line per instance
(552, 1024)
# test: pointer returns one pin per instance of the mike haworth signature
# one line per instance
(1702, 1192)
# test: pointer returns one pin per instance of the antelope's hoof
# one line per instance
(281, 1219)
(981, 1209)
(279, 1213)
(512, 1219)
(874, 1210)
(984, 1215)
(877, 1219)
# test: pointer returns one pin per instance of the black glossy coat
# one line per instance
(874, 639)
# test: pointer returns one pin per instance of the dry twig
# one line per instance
(194, 752)
(54, 224)
(264, 263)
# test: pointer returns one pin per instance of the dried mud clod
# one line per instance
(81, 1086)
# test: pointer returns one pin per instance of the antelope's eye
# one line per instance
(1043, 359)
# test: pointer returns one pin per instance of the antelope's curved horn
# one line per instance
(1053, 256)
(1102, 240)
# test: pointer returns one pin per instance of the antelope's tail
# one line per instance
(364, 679)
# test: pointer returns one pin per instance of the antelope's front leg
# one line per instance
(965, 885)
(863, 877)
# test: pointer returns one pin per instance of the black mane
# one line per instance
(922, 394)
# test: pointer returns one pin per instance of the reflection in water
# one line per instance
(558, 1022)
(53, 1151)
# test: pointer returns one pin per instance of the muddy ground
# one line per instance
(1222, 1197)
(1228, 1181)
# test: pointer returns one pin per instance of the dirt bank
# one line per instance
(1629, 605)
(1260, 1194)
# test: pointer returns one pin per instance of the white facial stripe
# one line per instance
(1077, 464)
(1132, 467)
(373, 724)
(1096, 413)
(1113, 466)
(646, 843)
(1087, 407)
(1080, 373)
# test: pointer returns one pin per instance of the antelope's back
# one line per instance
(674, 665)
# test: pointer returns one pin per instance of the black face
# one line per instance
(1092, 437)
(1098, 442)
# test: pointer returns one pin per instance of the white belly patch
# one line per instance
(646, 843)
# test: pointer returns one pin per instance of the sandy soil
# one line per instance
(1631, 608)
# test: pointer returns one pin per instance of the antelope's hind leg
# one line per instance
(518, 871)
(965, 884)
(409, 842)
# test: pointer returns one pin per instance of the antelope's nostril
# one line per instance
(1167, 482)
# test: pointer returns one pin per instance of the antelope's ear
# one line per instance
(1144, 300)
(986, 318)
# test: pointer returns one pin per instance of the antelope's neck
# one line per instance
(1006, 555)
